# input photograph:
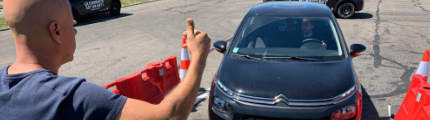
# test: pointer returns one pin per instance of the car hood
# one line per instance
(293, 79)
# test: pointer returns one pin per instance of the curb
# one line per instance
(139, 3)
(4, 29)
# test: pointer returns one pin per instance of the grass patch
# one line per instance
(2, 23)
(131, 2)
(1, 6)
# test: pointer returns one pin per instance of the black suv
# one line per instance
(287, 60)
(341, 8)
(84, 8)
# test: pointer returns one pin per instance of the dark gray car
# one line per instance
(287, 60)
(341, 8)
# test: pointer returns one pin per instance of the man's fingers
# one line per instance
(190, 27)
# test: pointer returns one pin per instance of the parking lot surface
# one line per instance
(396, 32)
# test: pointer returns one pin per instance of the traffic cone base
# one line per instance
(416, 104)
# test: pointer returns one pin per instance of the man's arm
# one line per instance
(178, 104)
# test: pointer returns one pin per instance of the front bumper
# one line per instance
(244, 110)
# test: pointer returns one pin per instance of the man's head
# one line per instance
(307, 26)
(42, 29)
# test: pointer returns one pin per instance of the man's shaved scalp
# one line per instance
(32, 16)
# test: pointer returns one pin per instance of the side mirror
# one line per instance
(356, 49)
(220, 46)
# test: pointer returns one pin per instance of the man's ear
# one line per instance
(54, 31)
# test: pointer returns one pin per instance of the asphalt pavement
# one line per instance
(395, 32)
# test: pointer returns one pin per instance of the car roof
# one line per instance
(291, 9)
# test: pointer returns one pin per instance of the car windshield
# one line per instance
(288, 37)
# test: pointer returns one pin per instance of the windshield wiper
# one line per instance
(247, 56)
(291, 58)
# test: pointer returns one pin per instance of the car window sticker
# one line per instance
(235, 50)
(94, 4)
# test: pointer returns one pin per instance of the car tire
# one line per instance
(115, 8)
(345, 10)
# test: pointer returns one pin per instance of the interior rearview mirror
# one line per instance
(220, 46)
(356, 49)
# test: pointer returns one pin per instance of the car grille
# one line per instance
(312, 1)
(247, 117)
(282, 100)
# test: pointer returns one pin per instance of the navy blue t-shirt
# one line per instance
(44, 95)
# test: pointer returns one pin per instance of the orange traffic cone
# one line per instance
(416, 103)
(423, 67)
(185, 60)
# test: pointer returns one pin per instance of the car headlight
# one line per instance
(344, 113)
(222, 108)
(224, 88)
(346, 94)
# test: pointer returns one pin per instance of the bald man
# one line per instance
(44, 38)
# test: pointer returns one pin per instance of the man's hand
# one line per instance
(198, 42)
